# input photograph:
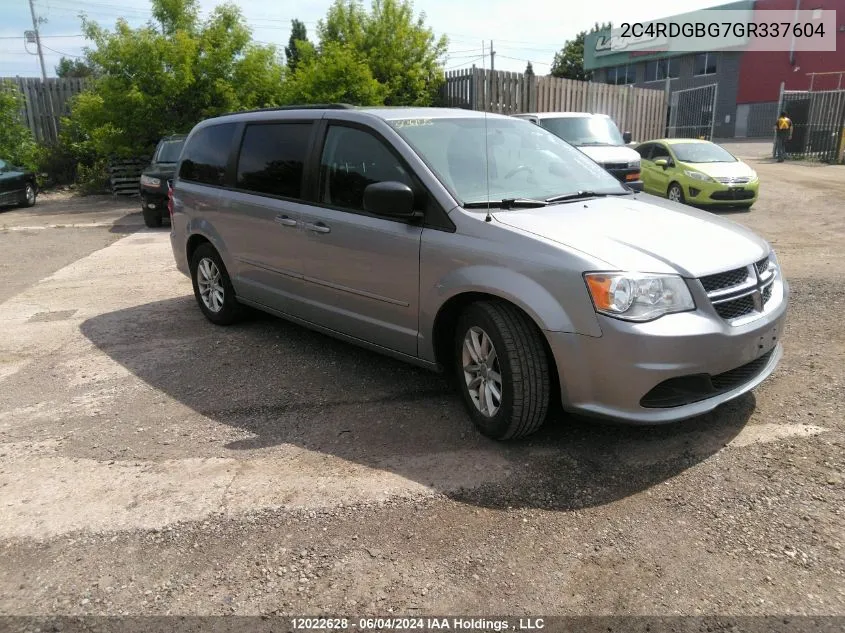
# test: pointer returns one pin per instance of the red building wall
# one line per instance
(761, 72)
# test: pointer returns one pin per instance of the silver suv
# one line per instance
(483, 246)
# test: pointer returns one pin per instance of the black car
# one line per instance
(154, 179)
(17, 185)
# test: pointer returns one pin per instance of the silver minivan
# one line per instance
(482, 246)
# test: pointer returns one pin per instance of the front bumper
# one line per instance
(611, 375)
(630, 177)
(707, 193)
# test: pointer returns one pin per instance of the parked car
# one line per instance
(598, 137)
(18, 185)
(525, 271)
(697, 172)
(155, 178)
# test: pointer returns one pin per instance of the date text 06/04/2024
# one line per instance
(477, 625)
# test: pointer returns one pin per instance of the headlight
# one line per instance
(697, 175)
(149, 181)
(753, 176)
(634, 164)
(638, 296)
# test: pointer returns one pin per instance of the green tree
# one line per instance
(298, 37)
(73, 68)
(17, 145)
(337, 74)
(402, 53)
(569, 61)
(166, 76)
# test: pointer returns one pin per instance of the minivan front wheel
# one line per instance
(502, 370)
(212, 286)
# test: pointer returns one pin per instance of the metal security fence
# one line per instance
(692, 112)
(818, 120)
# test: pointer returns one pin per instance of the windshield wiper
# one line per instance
(580, 195)
(507, 203)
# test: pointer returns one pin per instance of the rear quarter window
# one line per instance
(206, 155)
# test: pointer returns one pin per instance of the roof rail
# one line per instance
(310, 106)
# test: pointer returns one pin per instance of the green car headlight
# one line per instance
(697, 175)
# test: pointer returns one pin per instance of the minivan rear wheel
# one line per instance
(212, 286)
(502, 370)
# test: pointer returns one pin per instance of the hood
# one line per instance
(610, 153)
(722, 170)
(164, 170)
(643, 233)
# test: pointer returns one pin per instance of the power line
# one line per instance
(63, 54)
(18, 37)
(469, 61)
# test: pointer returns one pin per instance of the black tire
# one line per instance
(152, 217)
(230, 311)
(681, 198)
(29, 195)
(522, 363)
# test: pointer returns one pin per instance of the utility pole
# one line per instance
(492, 57)
(48, 97)
(38, 41)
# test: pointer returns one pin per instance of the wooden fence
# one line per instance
(642, 111)
(45, 103)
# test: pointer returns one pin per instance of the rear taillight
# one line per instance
(170, 199)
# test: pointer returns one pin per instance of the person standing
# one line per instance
(783, 133)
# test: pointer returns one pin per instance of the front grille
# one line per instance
(615, 166)
(733, 181)
(732, 194)
(743, 291)
(721, 281)
(682, 390)
(735, 308)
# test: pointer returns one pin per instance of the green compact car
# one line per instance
(697, 172)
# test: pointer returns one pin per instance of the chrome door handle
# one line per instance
(285, 220)
(319, 228)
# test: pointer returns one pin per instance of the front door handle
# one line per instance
(285, 220)
(319, 227)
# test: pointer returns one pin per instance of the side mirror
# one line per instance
(626, 137)
(662, 162)
(391, 199)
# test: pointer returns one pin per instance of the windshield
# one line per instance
(168, 151)
(702, 153)
(523, 160)
(585, 130)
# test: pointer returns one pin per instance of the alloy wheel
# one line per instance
(482, 372)
(675, 193)
(210, 284)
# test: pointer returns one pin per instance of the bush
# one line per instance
(17, 145)
(93, 179)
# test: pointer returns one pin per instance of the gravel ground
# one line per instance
(153, 464)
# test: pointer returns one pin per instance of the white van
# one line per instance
(598, 137)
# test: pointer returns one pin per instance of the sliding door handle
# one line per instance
(319, 227)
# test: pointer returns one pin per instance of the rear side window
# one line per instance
(207, 154)
(272, 158)
(645, 150)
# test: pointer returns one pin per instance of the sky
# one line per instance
(532, 30)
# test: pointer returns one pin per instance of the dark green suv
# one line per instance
(155, 179)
